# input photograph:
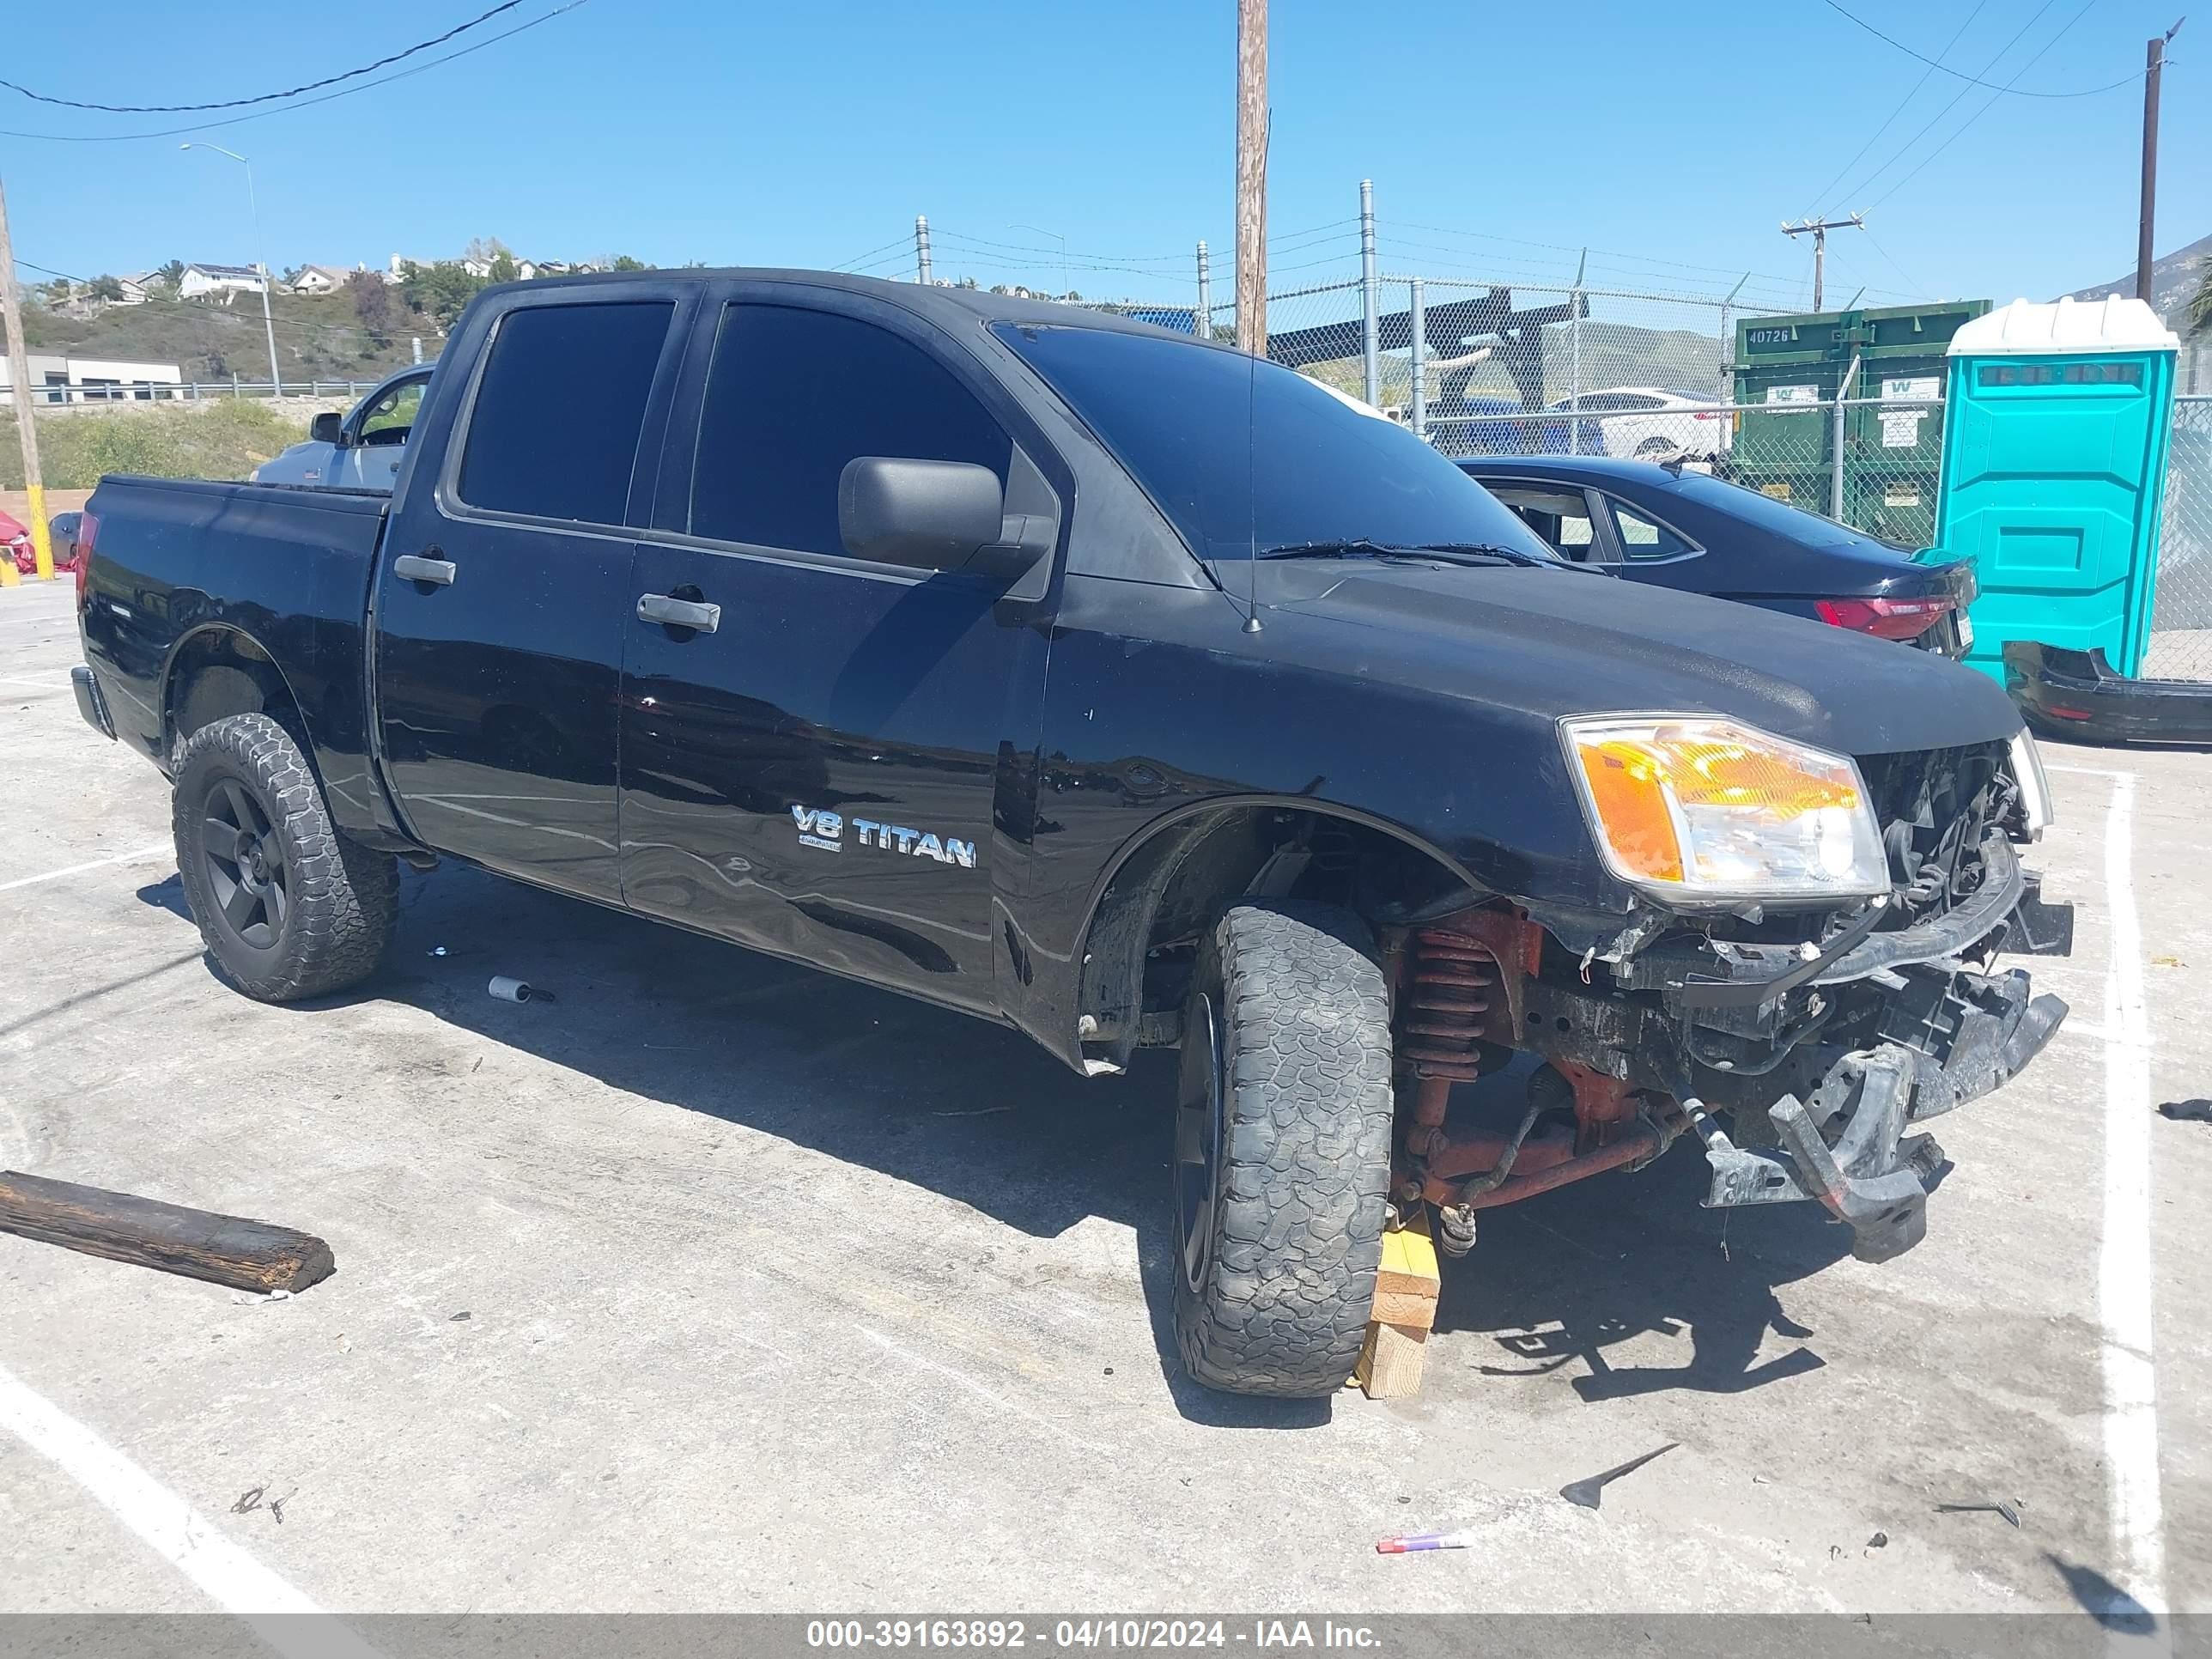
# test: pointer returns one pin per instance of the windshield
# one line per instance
(1244, 455)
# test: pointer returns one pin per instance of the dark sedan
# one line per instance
(1673, 527)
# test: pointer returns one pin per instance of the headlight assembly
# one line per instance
(1693, 808)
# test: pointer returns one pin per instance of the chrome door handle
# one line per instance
(678, 613)
(412, 567)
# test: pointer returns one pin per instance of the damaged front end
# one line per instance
(1804, 1047)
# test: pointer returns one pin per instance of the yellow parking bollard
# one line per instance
(42, 538)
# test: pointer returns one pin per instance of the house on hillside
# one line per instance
(220, 282)
(319, 279)
(525, 270)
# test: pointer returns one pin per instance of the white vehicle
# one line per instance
(360, 450)
(1650, 423)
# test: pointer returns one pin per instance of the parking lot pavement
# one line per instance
(721, 1284)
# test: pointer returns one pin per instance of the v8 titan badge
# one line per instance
(825, 830)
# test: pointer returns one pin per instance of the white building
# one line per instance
(320, 279)
(56, 379)
(220, 282)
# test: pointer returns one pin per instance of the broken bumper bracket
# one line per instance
(1871, 1176)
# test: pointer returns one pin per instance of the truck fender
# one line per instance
(1188, 850)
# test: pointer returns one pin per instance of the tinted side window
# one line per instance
(1641, 539)
(554, 429)
(792, 395)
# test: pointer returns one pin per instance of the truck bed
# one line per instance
(288, 567)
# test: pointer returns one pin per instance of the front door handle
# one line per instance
(673, 612)
(414, 567)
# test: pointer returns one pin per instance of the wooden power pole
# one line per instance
(1252, 176)
(1821, 227)
(2153, 66)
(18, 394)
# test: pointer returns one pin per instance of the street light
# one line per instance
(1065, 285)
(268, 328)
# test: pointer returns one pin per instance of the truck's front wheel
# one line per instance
(1282, 1154)
(287, 906)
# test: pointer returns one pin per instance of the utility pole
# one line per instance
(268, 276)
(921, 249)
(1204, 329)
(18, 388)
(2153, 66)
(1821, 227)
(1252, 176)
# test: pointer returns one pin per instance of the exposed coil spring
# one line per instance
(1453, 981)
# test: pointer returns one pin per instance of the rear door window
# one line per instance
(554, 432)
(1561, 517)
(792, 395)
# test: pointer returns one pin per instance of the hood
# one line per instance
(1552, 642)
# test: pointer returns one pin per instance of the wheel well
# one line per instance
(220, 672)
(1143, 938)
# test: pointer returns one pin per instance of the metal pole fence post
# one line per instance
(1370, 296)
(1836, 483)
(416, 341)
(921, 249)
(1575, 363)
(1418, 317)
(1204, 329)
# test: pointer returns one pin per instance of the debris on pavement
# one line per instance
(2187, 1111)
(1585, 1492)
(222, 1250)
(1408, 1543)
(1879, 1542)
(2010, 1511)
(507, 988)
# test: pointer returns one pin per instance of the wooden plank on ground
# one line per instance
(225, 1249)
(1390, 1364)
(1408, 1283)
(1407, 1286)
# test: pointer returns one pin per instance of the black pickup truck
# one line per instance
(1125, 689)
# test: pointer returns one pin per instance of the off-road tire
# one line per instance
(1290, 1014)
(341, 899)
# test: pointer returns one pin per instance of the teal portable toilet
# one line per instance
(2054, 463)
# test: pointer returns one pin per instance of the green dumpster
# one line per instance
(1888, 363)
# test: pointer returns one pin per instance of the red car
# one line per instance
(61, 534)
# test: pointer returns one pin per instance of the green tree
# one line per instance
(171, 275)
(503, 267)
(105, 288)
(440, 292)
(623, 262)
(2200, 304)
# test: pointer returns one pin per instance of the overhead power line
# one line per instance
(1818, 204)
(1958, 131)
(1957, 98)
(305, 103)
(265, 97)
(1936, 63)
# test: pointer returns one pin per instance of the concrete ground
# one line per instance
(717, 1284)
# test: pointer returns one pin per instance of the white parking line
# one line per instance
(2124, 1267)
(180, 1534)
(154, 851)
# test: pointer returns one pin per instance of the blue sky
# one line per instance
(1668, 139)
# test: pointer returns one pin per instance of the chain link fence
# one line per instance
(2181, 617)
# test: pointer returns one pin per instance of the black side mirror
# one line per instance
(932, 515)
(327, 427)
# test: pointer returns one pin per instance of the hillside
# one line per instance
(2173, 279)
(316, 339)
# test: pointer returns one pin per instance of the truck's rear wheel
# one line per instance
(287, 906)
(1282, 1154)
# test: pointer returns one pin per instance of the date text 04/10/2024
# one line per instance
(1090, 1634)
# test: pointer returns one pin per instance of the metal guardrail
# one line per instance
(168, 392)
